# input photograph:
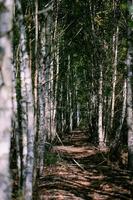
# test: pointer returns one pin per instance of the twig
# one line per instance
(78, 164)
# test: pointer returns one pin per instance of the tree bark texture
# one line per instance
(6, 10)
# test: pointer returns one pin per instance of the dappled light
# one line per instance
(84, 173)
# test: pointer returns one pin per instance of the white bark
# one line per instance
(70, 94)
(56, 59)
(124, 105)
(129, 95)
(129, 111)
(15, 128)
(5, 96)
(115, 53)
(23, 64)
(41, 101)
(123, 114)
(36, 57)
(57, 76)
(27, 100)
(48, 80)
(39, 91)
(100, 112)
(52, 99)
(41, 133)
(78, 114)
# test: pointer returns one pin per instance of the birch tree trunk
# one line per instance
(6, 8)
(129, 96)
(28, 111)
(43, 90)
(41, 101)
(115, 53)
(15, 143)
(117, 141)
(69, 93)
(41, 133)
(36, 57)
(47, 75)
(129, 93)
(52, 102)
(56, 63)
(100, 115)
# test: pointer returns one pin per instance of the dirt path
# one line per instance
(82, 173)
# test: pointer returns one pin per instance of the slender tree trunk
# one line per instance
(36, 95)
(28, 110)
(115, 53)
(52, 71)
(41, 100)
(69, 93)
(36, 58)
(129, 95)
(117, 141)
(43, 83)
(47, 76)
(15, 148)
(6, 10)
(56, 65)
(41, 132)
(130, 102)
(100, 115)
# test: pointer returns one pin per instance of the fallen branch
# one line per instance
(78, 164)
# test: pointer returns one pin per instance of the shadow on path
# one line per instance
(84, 173)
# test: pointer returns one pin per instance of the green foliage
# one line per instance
(51, 158)
(18, 195)
(131, 10)
(130, 23)
(123, 6)
(108, 90)
(2, 7)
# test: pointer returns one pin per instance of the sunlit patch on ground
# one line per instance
(84, 173)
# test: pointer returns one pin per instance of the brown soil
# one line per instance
(84, 172)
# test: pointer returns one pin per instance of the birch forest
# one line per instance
(66, 99)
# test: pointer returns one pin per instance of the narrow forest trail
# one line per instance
(83, 172)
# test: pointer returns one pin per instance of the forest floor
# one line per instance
(76, 170)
